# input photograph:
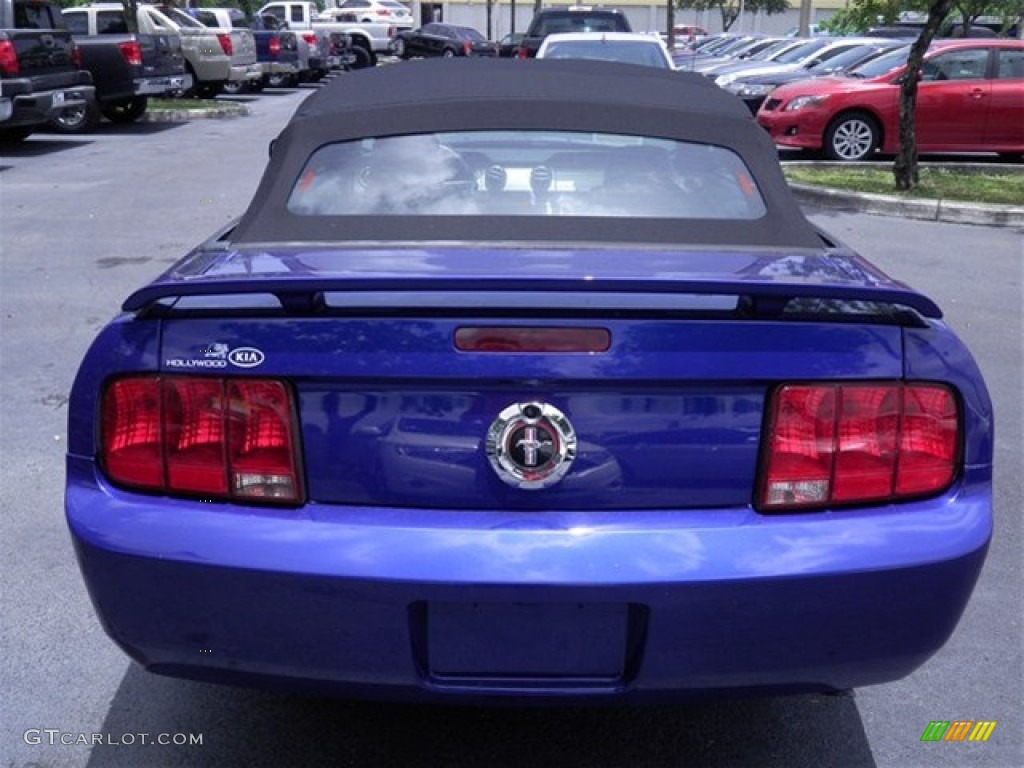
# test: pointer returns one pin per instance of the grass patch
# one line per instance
(986, 186)
(201, 105)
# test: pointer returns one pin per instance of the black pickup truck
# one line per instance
(548, 21)
(39, 68)
(127, 68)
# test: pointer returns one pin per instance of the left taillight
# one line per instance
(76, 55)
(839, 444)
(232, 439)
(132, 52)
(225, 43)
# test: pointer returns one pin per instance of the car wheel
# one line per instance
(448, 53)
(82, 119)
(852, 136)
(399, 48)
(209, 90)
(126, 111)
(360, 58)
(236, 87)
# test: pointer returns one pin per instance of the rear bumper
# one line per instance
(468, 606)
(246, 73)
(157, 86)
(38, 108)
(279, 68)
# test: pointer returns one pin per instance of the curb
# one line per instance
(948, 211)
(184, 114)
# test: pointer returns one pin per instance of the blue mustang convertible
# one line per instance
(525, 381)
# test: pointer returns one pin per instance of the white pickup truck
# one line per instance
(373, 37)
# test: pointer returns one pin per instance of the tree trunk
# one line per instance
(131, 16)
(904, 171)
(670, 15)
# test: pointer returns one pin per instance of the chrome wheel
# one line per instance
(400, 48)
(80, 119)
(851, 137)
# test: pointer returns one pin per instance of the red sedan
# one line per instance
(970, 99)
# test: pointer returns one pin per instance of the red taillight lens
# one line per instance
(8, 58)
(132, 53)
(76, 55)
(850, 443)
(218, 438)
(509, 339)
(225, 43)
(467, 47)
(275, 46)
(132, 432)
(520, 53)
(310, 39)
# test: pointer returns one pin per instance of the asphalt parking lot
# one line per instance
(86, 219)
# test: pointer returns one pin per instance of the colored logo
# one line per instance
(531, 445)
(958, 730)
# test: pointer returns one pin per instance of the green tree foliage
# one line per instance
(730, 9)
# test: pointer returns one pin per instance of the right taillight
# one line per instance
(208, 437)
(8, 58)
(836, 444)
(132, 52)
(275, 47)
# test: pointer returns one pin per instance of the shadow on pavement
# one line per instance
(252, 728)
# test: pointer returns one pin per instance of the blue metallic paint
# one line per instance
(338, 598)
(328, 595)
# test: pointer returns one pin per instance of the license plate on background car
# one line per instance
(58, 98)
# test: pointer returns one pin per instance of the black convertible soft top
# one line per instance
(507, 95)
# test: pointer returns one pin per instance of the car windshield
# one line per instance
(180, 18)
(645, 53)
(842, 60)
(576, 22)
(798, 54)
(882, 65)
(770, 50)
(527, 173)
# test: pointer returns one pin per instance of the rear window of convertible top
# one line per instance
(538, 173)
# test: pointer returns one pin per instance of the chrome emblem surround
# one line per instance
(531, 445)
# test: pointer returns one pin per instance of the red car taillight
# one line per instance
(76, 55)
(209, 437)
(520, 53)
(310, 39)
(132, 53)
(225, 43)
(275, 46)
(850, 443)
(467, 47)
(8, 58)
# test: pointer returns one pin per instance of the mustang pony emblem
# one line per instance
(531, 445)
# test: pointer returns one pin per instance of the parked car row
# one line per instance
(97, 65)
(839, 96)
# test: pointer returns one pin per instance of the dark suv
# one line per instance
(549, 21)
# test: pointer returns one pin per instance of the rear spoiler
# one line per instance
(306, 294)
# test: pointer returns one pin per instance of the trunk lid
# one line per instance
(393, 414)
